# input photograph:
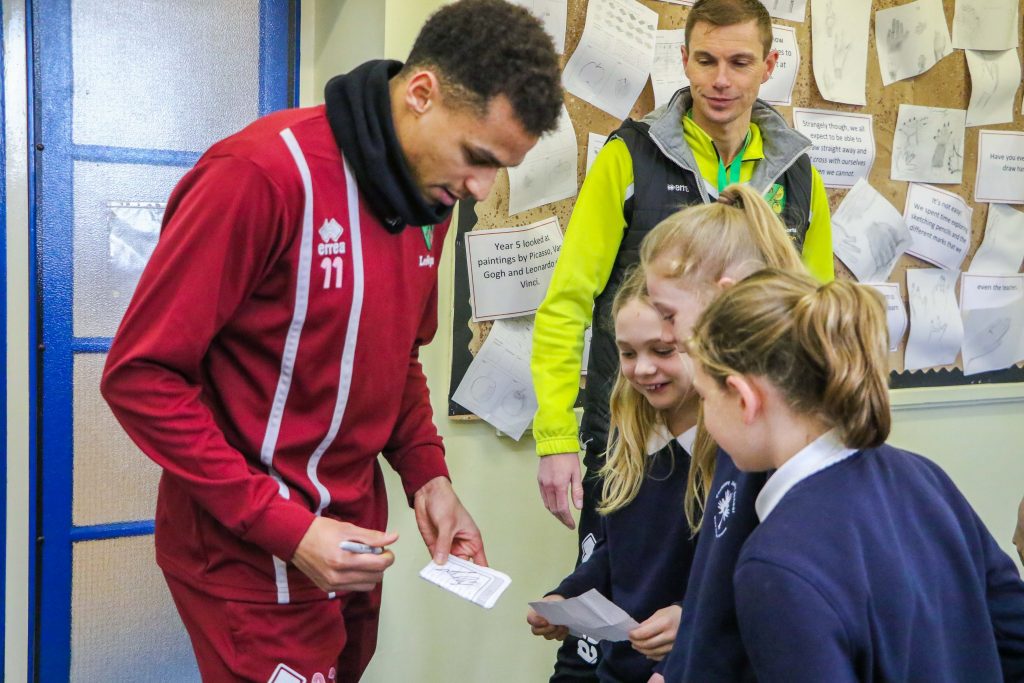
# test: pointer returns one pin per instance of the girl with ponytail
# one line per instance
(644, 555)
(689, 259)
(868, 563)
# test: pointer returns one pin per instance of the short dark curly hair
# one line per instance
(484, 48)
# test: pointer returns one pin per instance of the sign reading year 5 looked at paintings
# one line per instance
(510, 268)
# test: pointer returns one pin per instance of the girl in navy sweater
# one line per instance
(868, 563)
(689, 259)
(644, 555)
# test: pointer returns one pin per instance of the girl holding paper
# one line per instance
(868, 563)
(642, 561)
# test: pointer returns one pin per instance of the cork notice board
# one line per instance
(947, 84)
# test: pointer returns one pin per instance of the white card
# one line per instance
(510, 268)
(779, 88)
(940, 225)
(613, 59)
(839, 33)
(548, 173)
(1000, 175)
(928, 145)
(910, 39)
(480, 585)
(1002, 250)
(868, 234)
(985, 24)
(590, 614)
(667, 75)
(993, 314)
(895, 311)
(995, 77)
(936, 329)
(844, 144)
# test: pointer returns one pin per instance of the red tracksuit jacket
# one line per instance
(270, 353)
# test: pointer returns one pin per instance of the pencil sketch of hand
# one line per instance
(989, 339)
(841, 54)
(938, 329)
(911, 129)
(830, 19)
(896, 35)
(884, 242)
(942, 138)
(955, 162)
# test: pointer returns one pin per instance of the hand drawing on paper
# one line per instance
(942, 138)
(886, 244)
(894, 39)
(937, 329)
(592, 74)
(910, 130)
(955, 162)
(989, 339)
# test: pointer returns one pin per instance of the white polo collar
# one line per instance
(661, 436)
(823, 452)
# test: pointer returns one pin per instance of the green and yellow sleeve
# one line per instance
(589, 249)
(817, 252)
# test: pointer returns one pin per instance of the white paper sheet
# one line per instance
(497, 386)
(480, 585)
(133, 229)
(910, 39)
(839, 34)
(985, 24)
(589, 614)
(844, 144)
(1000, 176)
(548, 173)
(779, 88)
(791, 10)
(614, 57)
(510, 268)
(993, 314)
(1002, 250)
(868, 234)
(594, 144)
(936, 330)
(940, 225)
(995, 77)
(895, 311)
(552, 14)
(928, 145)
(667, 74)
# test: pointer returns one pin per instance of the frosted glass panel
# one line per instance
(173, 75)
(117, 218)
(113, 480)
(124, 626)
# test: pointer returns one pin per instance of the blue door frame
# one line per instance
(55, 153)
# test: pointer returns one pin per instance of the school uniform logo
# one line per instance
(331, 248)
(725, 507)
(587, 547)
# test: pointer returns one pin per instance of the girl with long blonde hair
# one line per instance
(689, 259)
(868, 563)
(643, 556)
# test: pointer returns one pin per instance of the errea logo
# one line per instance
(330, 232)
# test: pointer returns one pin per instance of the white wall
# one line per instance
(17, 542)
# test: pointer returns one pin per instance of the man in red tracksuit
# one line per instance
(270, 351)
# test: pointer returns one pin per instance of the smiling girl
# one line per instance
(644, 556)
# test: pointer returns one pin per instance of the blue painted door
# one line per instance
(126, 96)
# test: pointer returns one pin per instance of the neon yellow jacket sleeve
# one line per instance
(817, 252)
(584, 265)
